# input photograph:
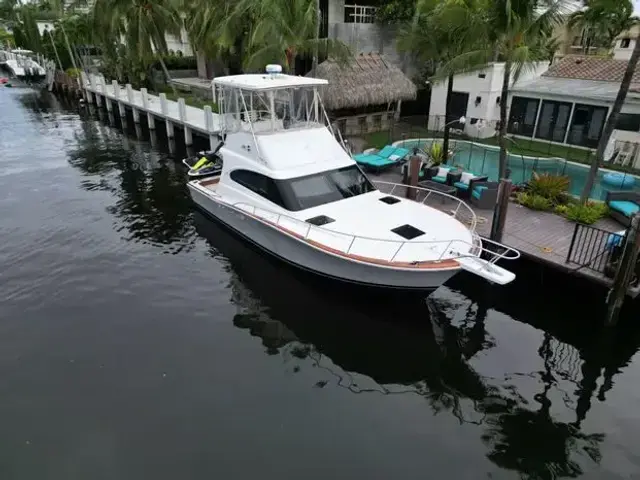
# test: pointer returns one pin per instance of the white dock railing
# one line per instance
(201, 120)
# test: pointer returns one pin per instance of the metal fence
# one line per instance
(595, 249)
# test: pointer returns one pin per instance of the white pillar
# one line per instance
(207, 118)
(164, 108)
(107, 100)
(182, 110)
(116, 94)
(145, 104)
(163, 104)
(213, 141)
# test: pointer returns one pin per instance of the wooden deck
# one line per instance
(541, 236)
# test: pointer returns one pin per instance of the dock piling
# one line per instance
(136, 112)
(182, 112)
(500, 210)
(116, 94)
(208, 123)
(145, 104)
(414, 172)
(94, 87)
(164, 108)
(625, 271)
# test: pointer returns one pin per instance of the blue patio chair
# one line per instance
(385, 158)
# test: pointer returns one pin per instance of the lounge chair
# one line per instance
(484, 195)
(623, 205)
(440, 174)
(385, 158)
(464, 185)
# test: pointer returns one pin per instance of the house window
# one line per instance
(261, 184)
(359, 13)
(625, 43)
(586, 126)
(629, 122)
(554, 117)
(522, 118)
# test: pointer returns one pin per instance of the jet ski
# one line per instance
(204, 164)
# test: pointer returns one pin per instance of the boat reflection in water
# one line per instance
(427, 347)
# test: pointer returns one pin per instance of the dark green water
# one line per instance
(140, 340)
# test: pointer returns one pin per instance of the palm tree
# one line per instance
(284, 29)
(141, 23)
(612, 120)
(211, 29)
(518, 34)
(440, 32)
(602, 21)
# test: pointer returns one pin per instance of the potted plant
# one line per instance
(436, 155)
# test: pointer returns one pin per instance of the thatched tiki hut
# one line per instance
(365, 94)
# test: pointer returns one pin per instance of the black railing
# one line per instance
(595, 249)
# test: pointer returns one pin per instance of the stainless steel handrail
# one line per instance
(451, 247)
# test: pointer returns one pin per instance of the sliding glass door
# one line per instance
(586, 126)
(553, 121)
(522, 118)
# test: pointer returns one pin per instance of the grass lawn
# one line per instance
(190, 99)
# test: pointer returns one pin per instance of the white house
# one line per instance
(475, 96)
(355, 25)
(570, 102)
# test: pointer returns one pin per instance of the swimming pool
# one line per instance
(484, 160)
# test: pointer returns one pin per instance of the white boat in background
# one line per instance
(21, 64)
(289, 187)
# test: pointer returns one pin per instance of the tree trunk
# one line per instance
(55, 50)
(502, 132)
(166, 74)
(66, 40)
(447, 120)
(314, 65)
(612, 120)
(201, 61)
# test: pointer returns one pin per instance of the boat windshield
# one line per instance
(320, 188)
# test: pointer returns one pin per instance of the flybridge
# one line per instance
(269, 102)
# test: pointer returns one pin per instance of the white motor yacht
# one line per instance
(290, 187)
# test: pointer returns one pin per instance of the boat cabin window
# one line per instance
(261, 184)
(313, 190)
(300, 193)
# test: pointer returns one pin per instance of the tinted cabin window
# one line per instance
(325, 187)
(261, 184)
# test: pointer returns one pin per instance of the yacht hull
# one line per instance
(302, 255)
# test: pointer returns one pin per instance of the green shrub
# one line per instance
(436, 152)
(551, 187)
(534, 202)
(561, 210)
(587, 214)
(73, 72)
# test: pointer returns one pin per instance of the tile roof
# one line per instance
(591, 68)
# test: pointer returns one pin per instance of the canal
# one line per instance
(140, 340)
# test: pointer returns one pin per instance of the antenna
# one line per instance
(274, 70)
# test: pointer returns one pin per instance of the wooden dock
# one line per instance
(191, 120)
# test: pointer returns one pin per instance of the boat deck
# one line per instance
(541, 236)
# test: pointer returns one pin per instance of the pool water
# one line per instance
(484, 160)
